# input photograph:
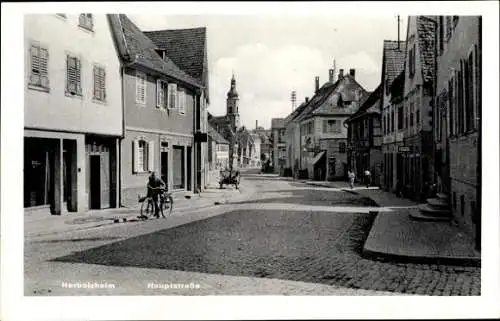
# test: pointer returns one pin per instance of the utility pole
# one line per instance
(294, 100)
(398, 32)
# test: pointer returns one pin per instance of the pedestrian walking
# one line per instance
(367, 178)
(351, 176)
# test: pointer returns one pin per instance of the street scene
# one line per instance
(198, 155)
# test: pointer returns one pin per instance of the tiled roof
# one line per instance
(277, 123)
(394, 58)
(349, 89)
(426, 41)
(216, 136)
(187, 48)
(370, 105)
(136, 48)
(321, 95)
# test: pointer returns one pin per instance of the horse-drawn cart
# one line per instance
(229, 178)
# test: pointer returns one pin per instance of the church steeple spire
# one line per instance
(232, 92)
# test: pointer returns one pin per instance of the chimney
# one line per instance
(316, 81)
(307, 100)
(341, 73)
(331, 75)
(352, 72)
(256, 124)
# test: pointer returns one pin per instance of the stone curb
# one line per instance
(369, 253)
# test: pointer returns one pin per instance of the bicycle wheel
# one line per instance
(147, 208)
(167, 205)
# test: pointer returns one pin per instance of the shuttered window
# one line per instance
(73, 75)
(172, 96)
(161, 94)
(143, 155)
(39, 60)
(99, 83)
(181, 101)
(140, 88)
(86, 21)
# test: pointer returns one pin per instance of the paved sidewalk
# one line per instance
(41, 223)
(395, 236)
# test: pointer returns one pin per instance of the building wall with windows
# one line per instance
(456, 132)
(159, 124)
(72, 113)
(62, 97)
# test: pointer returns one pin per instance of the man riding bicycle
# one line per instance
(154, 186)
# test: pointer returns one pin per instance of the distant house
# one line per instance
(279, 146)
(292, 139)
(365, 138)
(160, 103)
(393, 62)
(323, 137)
(218, 151)
(72, 113)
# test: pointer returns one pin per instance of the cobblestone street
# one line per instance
(254, 239)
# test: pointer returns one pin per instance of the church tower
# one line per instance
(232, 105)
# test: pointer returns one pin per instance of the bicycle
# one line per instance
(165, 204)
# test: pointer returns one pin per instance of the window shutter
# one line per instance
(35, 65)
(158, 89)
(78, 76)
(135, 155)
(103, 83)
(151, 155)
(44, 61)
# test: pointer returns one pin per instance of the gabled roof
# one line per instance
(426, 28)
(216, 136)
(321, 95)
(352, 92)
(135, 48)
(370, 106)
(187, 48)
(393, 58)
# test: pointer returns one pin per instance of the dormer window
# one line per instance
(161, 53)
(340, 102)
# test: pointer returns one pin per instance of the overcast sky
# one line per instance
(273, 55)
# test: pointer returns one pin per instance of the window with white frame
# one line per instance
(39, 60)
(172, 96)
(181, 101)
(86, 21)
(161, 94)
(99, 83)
(73, 75)
(143, 155)
(140, 88)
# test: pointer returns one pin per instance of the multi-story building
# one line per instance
(72, 113)
(457, 126)
(419, 83)
(323, 138)
(160, 102)
(364, 138)
(292, 138)
(187, 48)
(393, 59)
(279, 145)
